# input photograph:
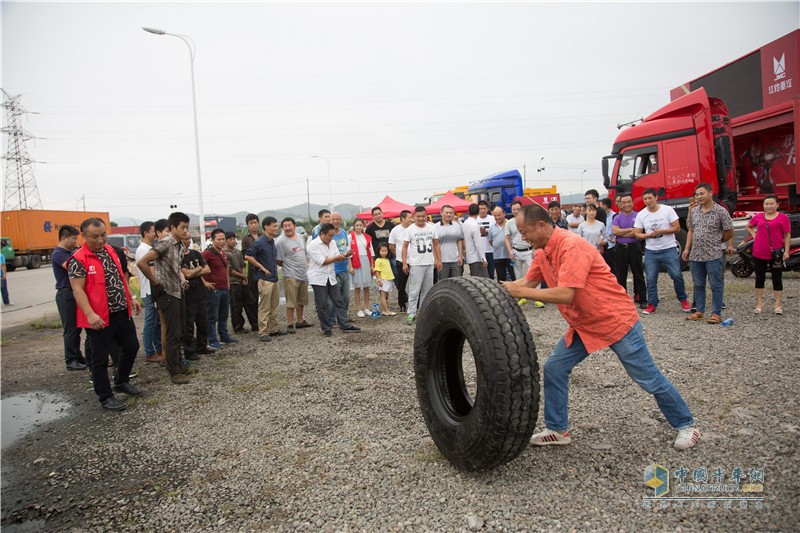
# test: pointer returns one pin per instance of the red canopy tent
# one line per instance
(458, 204)
(391, 208)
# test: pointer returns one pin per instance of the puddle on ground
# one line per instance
(23, 413)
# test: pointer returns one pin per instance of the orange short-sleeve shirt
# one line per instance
(570, 261)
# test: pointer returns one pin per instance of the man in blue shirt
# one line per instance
(65, 301)
(343, 268)
(263, 260)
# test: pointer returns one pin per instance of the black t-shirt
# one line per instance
(123, 258)
(601, 214)
(379, 235)
(191, 260)
(59, 257)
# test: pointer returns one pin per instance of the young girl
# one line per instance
(383, 271)
(362, 261)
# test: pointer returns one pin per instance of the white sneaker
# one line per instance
(367, 312)
(548, 436)
(687, 438)
(360, 314)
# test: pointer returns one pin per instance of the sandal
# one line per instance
(698, 316)
(757, 311)
(714, 319)
(778, 311)
(390, 313)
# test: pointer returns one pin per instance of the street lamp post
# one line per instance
(190, 45)
(582, 173)
(330, 188)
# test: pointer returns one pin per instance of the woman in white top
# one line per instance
(362, 262)
(593, 230)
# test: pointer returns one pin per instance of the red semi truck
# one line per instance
(735, 128)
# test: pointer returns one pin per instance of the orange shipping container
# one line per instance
(36, 230)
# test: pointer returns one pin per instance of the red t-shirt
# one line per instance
(218, 264)
(571, 261)
(766, 241)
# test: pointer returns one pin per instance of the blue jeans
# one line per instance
(219, 301)
(4, 290)
(343, 282)
(653, 259)
(712, 269)
(635, 357)
(490, 264)
(151, 333)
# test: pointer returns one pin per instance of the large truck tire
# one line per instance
(34, 262)
(11, 267)
(490, 427)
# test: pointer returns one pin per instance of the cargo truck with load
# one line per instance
(735, 128)
(29, 235)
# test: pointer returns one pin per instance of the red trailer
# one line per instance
(735, 128)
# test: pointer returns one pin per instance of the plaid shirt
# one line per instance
(168, 265)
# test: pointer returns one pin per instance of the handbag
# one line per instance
(777, 253)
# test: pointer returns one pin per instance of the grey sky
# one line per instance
(404, 99)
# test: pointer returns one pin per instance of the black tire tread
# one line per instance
(515, 371)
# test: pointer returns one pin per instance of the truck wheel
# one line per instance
(741, 268)
(11, 267)
(486, 425)
(681, 238)
(35, 262)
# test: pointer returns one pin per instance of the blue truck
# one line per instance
(497, 189)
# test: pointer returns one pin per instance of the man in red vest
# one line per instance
(104, 311)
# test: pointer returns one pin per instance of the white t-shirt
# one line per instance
(473, 248)
(396, 239)
(144, 283)
(487, 223)
(572, 219)
(592, 232)
(448, 236)
(420, 244)
(318, 252)
(361, 243)
(661, 219)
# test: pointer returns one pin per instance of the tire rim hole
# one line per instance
(458, 379)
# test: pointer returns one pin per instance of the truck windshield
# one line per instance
(636, 164)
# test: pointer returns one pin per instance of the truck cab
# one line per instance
(498, 189)
(686, 142)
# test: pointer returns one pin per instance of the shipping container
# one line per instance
(29, 235)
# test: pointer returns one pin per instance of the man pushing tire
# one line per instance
(578, 278)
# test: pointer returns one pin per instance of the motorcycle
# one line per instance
(743, 266)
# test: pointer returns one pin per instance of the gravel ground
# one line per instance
(314, 434)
